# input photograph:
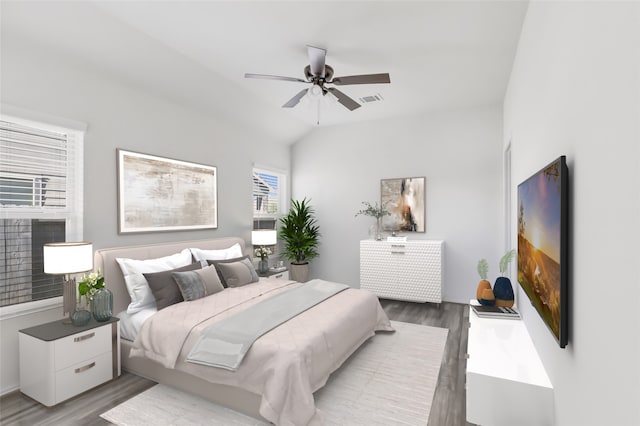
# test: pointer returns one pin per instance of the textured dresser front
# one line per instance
(410, 270)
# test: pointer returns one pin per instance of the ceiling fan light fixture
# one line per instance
(315, 91)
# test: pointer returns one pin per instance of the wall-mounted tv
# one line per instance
(543, 239)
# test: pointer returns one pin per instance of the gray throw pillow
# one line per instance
(218, 262)
(164, 288)
(197, 284)
(237, 274)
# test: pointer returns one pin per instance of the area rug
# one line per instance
(391, 379)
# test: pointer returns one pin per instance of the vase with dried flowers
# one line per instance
(376, 211)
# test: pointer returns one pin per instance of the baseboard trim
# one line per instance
(9, 390)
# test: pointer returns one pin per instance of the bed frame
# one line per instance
(105, 259)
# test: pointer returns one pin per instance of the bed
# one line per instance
(282, 369)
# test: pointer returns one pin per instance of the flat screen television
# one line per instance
(543, 239)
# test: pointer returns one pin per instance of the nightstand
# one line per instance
(59, 361)
(282, 274)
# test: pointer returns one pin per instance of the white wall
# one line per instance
(575, 90)
(119, 116)
(459, 153)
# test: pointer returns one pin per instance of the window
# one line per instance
(40, 202)
(269, 193)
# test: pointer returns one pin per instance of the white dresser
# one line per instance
(59, 361)
(506, 381)
(409, 270)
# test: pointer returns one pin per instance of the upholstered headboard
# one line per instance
(105, 259)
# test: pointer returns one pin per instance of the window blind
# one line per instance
(267, 192)
(34, 167)
(39, 193)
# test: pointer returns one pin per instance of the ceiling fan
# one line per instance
(318, 73)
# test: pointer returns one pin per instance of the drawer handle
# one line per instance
(279, 276)
(85, 337)
(398, 245)
(85, 368)
(396, 252)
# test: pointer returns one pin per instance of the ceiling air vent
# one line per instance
(371, 98)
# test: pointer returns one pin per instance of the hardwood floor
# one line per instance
(449, 401)
(85, 409)
(448, 407)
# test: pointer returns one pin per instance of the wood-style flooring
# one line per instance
(448, 407)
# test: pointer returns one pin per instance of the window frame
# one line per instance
(73, 212)
(283, 191)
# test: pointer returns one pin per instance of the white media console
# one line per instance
(506, 381)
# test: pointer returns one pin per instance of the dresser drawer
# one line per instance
(83, 376)
(80, 347)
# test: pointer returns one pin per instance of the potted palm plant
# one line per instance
(300, 234)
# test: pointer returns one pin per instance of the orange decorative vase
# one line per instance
(484, 294)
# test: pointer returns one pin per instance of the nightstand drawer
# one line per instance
(82, 346)
(275, 275)
(59, 361)
(284, 275)
(83, 376)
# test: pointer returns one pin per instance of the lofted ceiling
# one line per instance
(441, 55)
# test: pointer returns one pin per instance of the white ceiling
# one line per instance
(440, 54)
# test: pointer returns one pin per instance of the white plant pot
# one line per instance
(299, 273)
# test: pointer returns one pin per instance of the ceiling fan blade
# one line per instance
(274, 77)
(362, 79)
(294, 101)
(345, 100)
(317, 57)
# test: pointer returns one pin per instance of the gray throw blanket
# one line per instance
(225, 343)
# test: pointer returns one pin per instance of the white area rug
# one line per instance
(390, 380)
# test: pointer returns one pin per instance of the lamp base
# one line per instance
(68, 298)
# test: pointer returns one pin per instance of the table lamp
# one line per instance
(264, 237)
(65, 259)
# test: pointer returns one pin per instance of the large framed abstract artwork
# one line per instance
(160, 194)
(405, 199)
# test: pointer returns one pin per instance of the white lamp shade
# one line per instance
(264, 237)
(67, 258)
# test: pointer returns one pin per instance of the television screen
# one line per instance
(542, 244)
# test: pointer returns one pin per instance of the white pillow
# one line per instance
(228, 253)
(139, 291)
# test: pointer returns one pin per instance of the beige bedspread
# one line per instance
(286, 365)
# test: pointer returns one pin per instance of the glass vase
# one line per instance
(263, 266)
(81, 314)
(378, 228)
(103, 305)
